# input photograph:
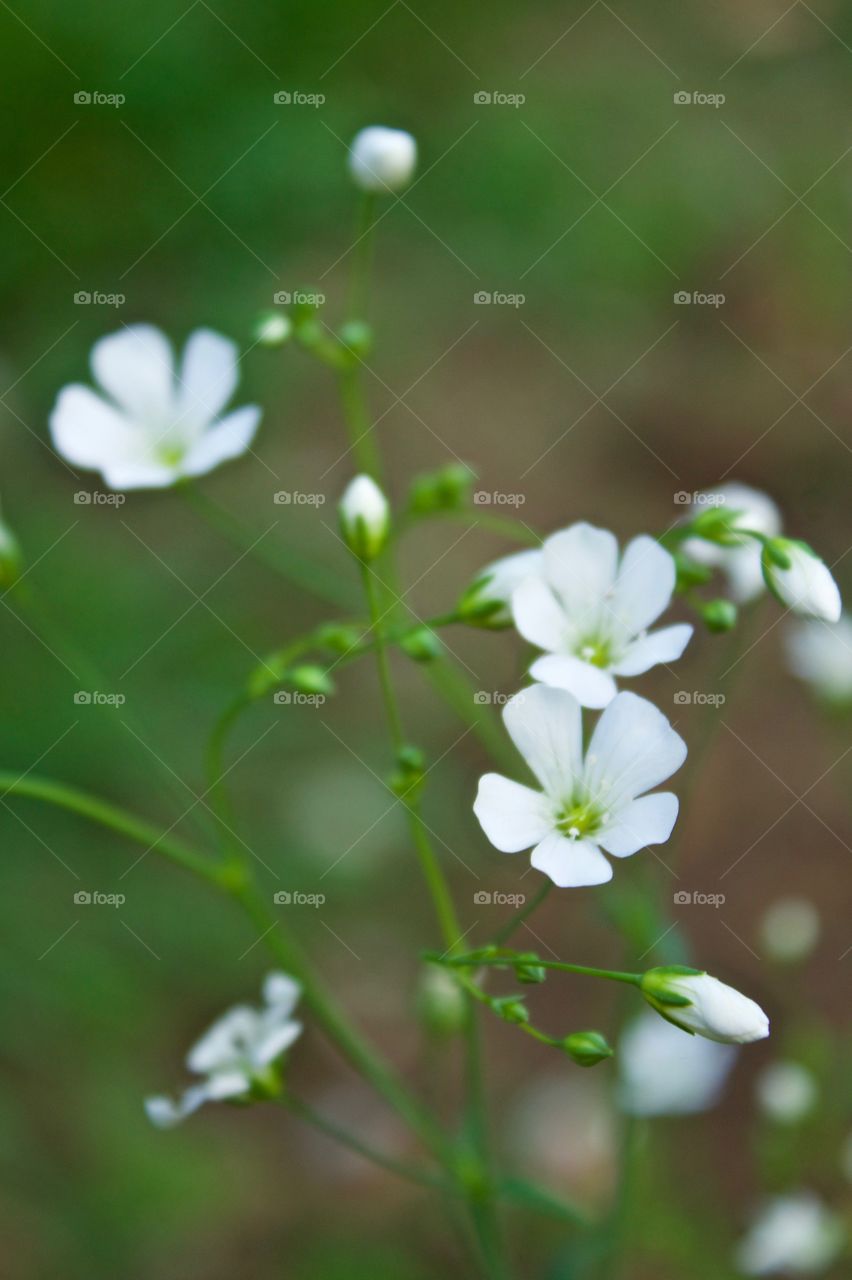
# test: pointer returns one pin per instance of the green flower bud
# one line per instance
(340, 637)
(364, 518)
(689, 573)
(510, 1008)
(441, 1002)
(446, 489)
(407, 778)
(720, 524)
(273, 328)
(421, 645)
(357, 337)
(309, 679)
(528, 969)
(11, 559)
(719, 615)
(586, 1048)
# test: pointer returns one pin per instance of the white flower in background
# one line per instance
(790, 929)
(740, 563)
(382, 159)
(488, 599)
(237, 1053)
(364, 517)
(153, 426)
(590, 612)
(792, 1235)
(585, 805)
(822, 655)
(697, 1002)
(662, 1072)
(786, 1091)
(801, 581)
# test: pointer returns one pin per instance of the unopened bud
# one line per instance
(364, 518)
(586, 1048)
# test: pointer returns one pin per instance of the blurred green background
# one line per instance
(198, 198)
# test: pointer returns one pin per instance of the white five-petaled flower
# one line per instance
(800, 580)
(382, 159)
(589, 611)
(792, 1235)
(740, 562)
(585, 805)
(237, 1053)
(822, 655)
(665, 1073)
(701, 1004)
(153, 426)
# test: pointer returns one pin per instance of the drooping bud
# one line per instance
(702, 1005)
(719, 615)
(382, 159)
(421, 645)
(510, 1008)
(798, 578)
(586, 1048)
(528, 969)
(309, 678)
(364, 518)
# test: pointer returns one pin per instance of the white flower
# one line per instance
(792, 1235)
(790, 929)
(491, 594)
(236, 1054)
(741, 564)
(697, 1002)
(804, 584)
(786, 1091)
(822, 655)
(155, 427)
(665, 1073)
(382, 159)
(589, 612)
(585, 805)
(364, 517)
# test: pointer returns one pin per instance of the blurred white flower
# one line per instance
(740, 564)
(803, 583)
(382, 159)
(364, 517)
(152, 426)
(488, 599)
(790, 929)
(786, 1091)
(237, 1053)
(665, 1073)
(792, 1235)
(822, 655)
(699, 1003)
(589, 611)
(585, 805)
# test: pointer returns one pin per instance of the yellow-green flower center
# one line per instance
(579, 818)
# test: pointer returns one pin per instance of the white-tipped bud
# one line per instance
(795, 574)
(364, 518)
(382, 159)
(273, 328)
(696, 1002)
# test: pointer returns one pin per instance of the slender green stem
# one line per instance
(476, 961)
(523, 914)
(351, 1141)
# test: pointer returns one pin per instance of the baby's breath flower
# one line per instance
(382, 159)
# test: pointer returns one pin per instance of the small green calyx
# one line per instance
(421, 645)
(510, 1009)
(719, 524)
(657, 989)
(447, 489)
(528, 969)
(586, 1048)
(407, 779)
(719, 615)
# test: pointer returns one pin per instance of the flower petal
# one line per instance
(590, 685)
(580, 564)
(633, 748)
(545, 725)
(648, 820)
(666, 645)
(136, 367)
(226, 439)
(645, 583)
(88, 431)
(571, 863)
(165, 1112)
(272, 1043)
(513, 816)
(282, 992)
(225, 1041)
(538, 615)
(208, 377)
